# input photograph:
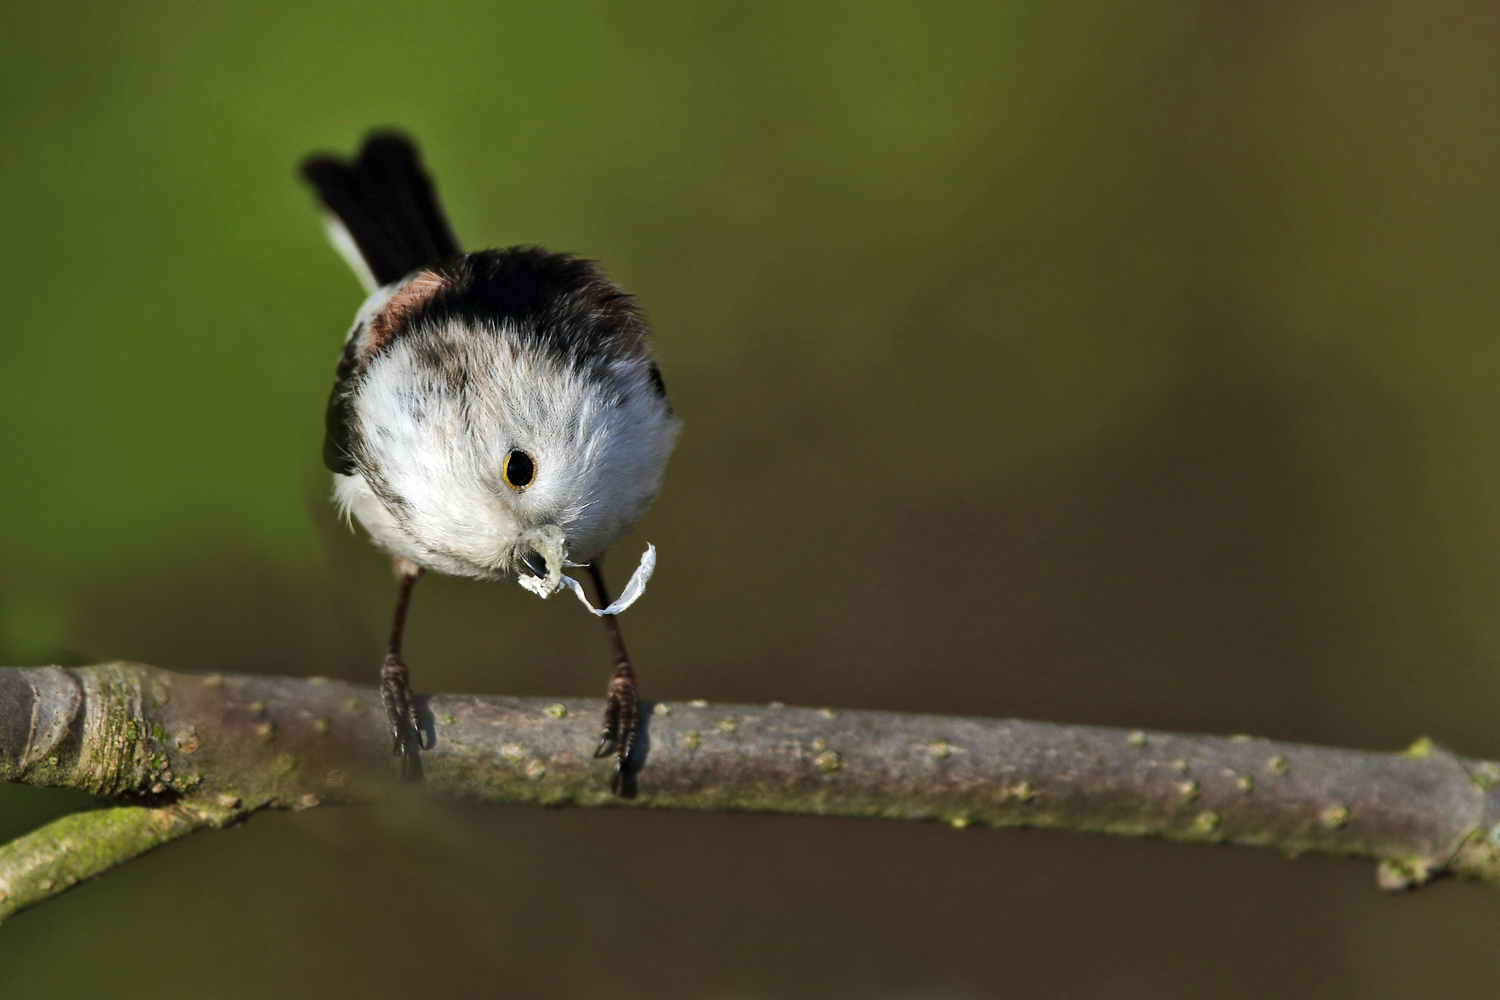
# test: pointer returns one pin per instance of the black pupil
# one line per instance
(518, 468)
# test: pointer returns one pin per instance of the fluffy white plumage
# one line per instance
(440, 408)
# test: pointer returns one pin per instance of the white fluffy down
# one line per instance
(437, 444)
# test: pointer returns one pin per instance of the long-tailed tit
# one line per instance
(495, 414)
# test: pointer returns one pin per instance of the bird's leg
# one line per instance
(622, 711)
(395, 688)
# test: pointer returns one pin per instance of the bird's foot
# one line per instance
(621, 723)
(401, 711)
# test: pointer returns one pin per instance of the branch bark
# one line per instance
(179, 753)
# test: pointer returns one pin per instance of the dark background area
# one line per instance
(1130, 364)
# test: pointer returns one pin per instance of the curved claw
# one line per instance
(621, 717)
(401, 713)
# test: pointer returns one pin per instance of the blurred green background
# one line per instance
(1121, 363)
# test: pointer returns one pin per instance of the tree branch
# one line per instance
(182, 753)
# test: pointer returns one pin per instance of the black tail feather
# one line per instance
(386, 202)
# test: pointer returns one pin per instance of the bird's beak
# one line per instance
(532, 562)
(538, 559)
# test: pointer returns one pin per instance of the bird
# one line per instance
(495, 414)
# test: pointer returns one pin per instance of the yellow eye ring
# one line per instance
(518, 471)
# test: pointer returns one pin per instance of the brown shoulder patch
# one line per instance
(408, 300)
(617, 311)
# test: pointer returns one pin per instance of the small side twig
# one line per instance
(66, 851)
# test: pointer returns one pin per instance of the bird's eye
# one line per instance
(519, 470)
